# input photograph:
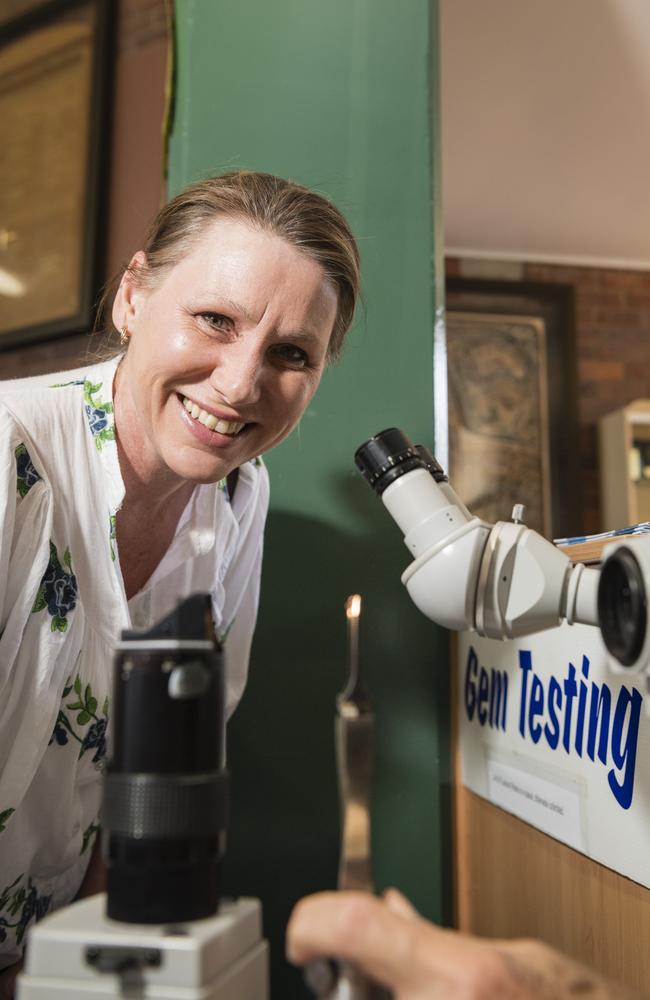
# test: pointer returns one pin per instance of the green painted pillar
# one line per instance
(340, 95)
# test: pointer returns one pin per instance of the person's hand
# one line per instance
(8, 980)
(389, 941)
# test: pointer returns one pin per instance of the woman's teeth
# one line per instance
(209, 420)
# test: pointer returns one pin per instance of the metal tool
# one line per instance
(354, 733)
(355, 739)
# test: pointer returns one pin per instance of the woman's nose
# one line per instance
(237, 376)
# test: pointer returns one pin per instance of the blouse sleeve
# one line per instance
(25, 524)
(242, 588)
(31, 657)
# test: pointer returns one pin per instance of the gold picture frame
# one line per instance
(513, 420)
(498, 416)
(53, 88)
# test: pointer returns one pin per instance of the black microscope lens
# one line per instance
(622, 610)
(432, 464)
(385, 457)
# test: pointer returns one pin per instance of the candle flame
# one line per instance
(353, 606)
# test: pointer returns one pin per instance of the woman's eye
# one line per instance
(294, 356)
(217, 321)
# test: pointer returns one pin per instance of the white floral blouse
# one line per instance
(63, 605)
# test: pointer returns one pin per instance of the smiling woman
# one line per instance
(235, 335)
(240, 328)
(118, 496)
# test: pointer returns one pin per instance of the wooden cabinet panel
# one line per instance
(513, 881)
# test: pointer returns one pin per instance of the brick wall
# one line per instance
(136, 161)
(612, 350)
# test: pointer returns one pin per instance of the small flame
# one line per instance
(353, 606)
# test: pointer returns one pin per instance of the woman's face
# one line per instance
(225, 353)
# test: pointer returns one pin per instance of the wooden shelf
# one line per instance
(591, 551)
(624, 500)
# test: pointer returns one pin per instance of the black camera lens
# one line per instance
(622, 606)
(385, 457)
(164, 812)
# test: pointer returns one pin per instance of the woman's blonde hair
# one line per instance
(302, 217)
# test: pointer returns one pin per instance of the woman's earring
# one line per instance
(124, 336)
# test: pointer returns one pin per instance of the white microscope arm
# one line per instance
(503, 580)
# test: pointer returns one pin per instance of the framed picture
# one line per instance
(54, 76)
(512, 423)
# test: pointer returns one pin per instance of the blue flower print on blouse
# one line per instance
(96, 738)
(68, 724)
(58, 591)
(26, 474)
(99, 414)
(23, 902)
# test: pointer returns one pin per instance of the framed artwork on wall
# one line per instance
(498, 416)
(512, 420)
(54, 78)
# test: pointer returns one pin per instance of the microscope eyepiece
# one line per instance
(385, 457)
(622, 603)
(431, 464)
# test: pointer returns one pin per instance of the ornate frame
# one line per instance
(544, 313)
(55, 64)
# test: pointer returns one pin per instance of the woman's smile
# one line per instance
(207, 428)
(211, 420)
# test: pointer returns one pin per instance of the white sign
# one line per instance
(550, 734)
(544, 804)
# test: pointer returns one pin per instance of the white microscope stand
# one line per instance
(220, 958)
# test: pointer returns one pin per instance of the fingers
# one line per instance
(359, 928)
(399, 904)
(391, 944)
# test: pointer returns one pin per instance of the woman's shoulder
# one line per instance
(35, 415)
(73, 380)
(39, 402)
(37, 383)
(50, 416)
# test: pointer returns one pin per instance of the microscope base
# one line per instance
(79, 952)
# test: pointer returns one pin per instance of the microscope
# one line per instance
(162, 929)
(504, 580)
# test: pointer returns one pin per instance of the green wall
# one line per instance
(340, 95)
